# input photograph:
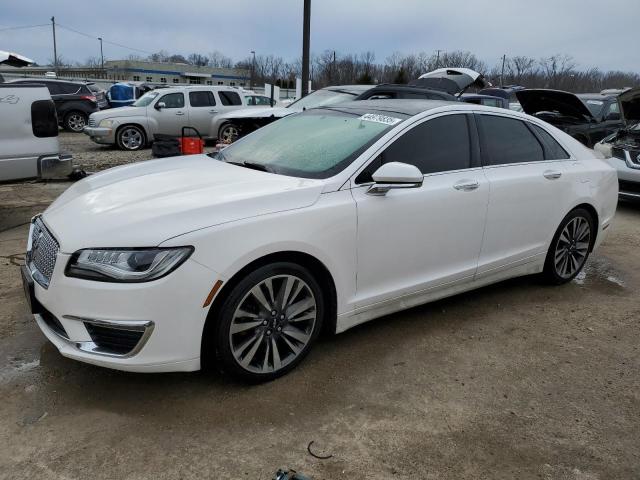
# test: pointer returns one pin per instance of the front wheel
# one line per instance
(228, 133)
(130, 137)
(269, 322)
(570, 247)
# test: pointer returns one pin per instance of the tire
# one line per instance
(75, 121)
(254, 344)
(130, 138)
(570, 247)
(228, 133)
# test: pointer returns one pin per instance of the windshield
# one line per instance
(321, 98)
(314, 144)
(145, 99)
(594, 106)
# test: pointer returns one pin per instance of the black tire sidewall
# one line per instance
(119, 138)
(225, 359)
(549, 265)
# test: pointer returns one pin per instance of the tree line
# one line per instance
(332, 68)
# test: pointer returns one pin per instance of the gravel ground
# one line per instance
(93, 157)
(513, 381)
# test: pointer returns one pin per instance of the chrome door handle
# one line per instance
(179, 113)
(552, 174)
(213, 111)
(466, 185)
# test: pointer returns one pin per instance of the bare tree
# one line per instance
(198, 60)
(219, 60)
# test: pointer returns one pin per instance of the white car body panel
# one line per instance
(384, 253)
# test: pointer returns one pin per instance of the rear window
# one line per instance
(69, 88)
(552, 149)
(202, 99)
(230, 98)
(507, 140)
(44, 122)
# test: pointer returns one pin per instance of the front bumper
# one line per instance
(165, 318)
(101, 135)
(628, 176)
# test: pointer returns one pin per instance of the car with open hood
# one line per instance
(623, 147)
(587, 117)
(321, 220)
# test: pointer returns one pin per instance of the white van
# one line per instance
(29, 146)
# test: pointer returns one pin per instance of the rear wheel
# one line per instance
(130, 137)
(269, 322)
(228, 133)
(570, 247)
(75, 121)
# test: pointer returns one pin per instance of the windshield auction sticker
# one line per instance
(375, 117)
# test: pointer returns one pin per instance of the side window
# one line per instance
(173, 100)
(44, 122)
(507, 140)
(260, 100)
(54, 88)
(69, 88)
(251, 100)
(552, 149)
(438, 145)
(612, 112)
(201, 99)
(230, 98)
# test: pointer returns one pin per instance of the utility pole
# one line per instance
(253, 68)
(333, 68)
(438, 58)
(101, 55)
(306, 34)
(55, 49)
(504, 59)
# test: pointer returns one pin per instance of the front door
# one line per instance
(420, 238)
(170, 118)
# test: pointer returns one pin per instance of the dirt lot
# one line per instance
(516, 380)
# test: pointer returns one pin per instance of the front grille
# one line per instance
(43, 253)
(92, 122)
(628, 187)
(53, 323)
(118, 341)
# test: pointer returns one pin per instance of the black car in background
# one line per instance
(74, 101)
(587, 117)
(388, 91)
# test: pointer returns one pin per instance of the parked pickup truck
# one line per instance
(163, 111)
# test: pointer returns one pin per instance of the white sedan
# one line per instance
(320, 221)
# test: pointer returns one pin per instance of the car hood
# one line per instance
(267, 112)
(534, 101)
(144, 204)
(629, 102)
(451, 80)
(119, 112)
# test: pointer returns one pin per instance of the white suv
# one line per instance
(163, 111)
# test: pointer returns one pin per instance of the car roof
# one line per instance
(349, 88)
(45, 79)
(399, 106)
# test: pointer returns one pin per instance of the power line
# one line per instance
(103, 39)
(24, 26)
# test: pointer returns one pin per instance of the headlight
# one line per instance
(126, 265)
(106, 123)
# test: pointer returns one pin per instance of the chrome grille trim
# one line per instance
(42, 252)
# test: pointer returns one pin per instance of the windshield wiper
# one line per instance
(256, 166)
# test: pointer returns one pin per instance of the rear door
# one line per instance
(202, 108)
(170, 119)
(529, 192)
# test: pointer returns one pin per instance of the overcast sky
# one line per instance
(596, 33)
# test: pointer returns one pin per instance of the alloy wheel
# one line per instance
(131, 138)
(572, 247)
(272, 324)
(229, 134)
(76, 122)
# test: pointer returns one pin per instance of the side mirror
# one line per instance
(160, 105)
(395, 175)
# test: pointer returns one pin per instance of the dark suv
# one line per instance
(74, 101)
